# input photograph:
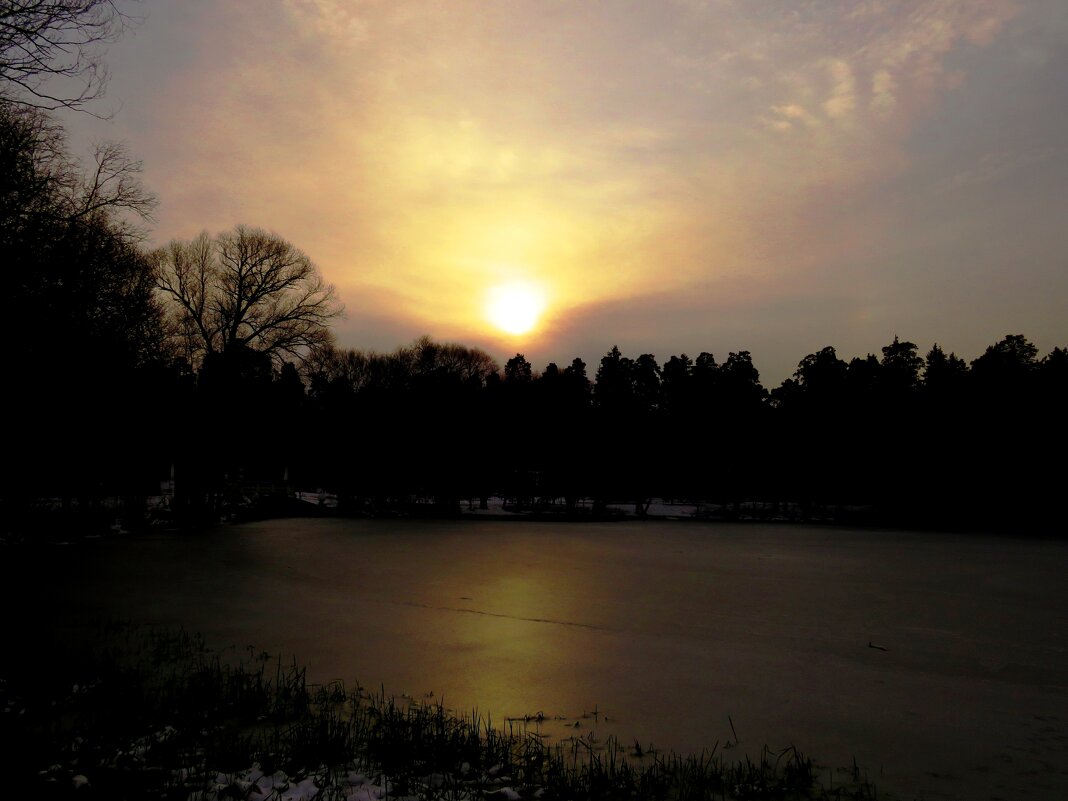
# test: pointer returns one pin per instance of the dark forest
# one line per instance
(206, 370)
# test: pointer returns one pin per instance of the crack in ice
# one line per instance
(509, 617)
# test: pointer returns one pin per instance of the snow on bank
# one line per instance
(356, 785)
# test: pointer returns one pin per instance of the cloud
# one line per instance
(842, 100)
(730, 149)
(793, 114)
(332, 20)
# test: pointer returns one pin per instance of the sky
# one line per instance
(670, 177)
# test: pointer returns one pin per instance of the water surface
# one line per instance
(669, 630)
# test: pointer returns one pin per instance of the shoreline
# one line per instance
(50, 526)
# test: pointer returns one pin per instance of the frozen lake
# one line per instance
(666, 628)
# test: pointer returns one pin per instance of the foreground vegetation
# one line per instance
(148, 714)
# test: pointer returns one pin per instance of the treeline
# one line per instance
(205, 372)
(899, 437)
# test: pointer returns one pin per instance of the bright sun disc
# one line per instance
(515, 308)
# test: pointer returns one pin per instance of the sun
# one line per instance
(515, 307)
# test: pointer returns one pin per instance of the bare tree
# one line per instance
(51, 50)
(425, 357)
(114, 183)
(41, 184)
(245, 288)
(76, 274)
(35, 169)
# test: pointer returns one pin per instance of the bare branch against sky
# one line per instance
(51, 53)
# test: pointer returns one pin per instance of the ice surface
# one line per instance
(655, 632)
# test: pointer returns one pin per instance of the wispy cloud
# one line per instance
(420, 151)
(331, 20)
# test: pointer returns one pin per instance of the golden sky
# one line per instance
(671, 176)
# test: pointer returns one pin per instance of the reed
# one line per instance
(149, 714)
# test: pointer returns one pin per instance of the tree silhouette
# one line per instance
(42, 185)
(245, 288)
(1054, 371)
(575, 374)
(50, 52)
(901, 366)
(943, 374)
(740, 383)
(76, 276)
(82, 308)
(1012, 358)
(821, 372)
(613, 388)
(645, 383)
(863, 378)
(675, 378)
(518, 370)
